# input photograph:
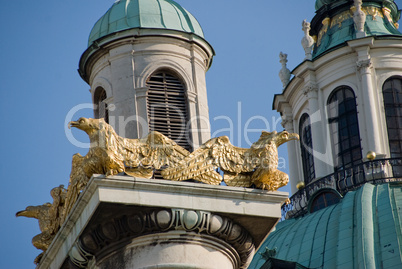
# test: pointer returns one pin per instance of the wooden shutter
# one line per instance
(167, 108)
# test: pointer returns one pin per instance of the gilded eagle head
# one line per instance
(274, 137)
(284, 137)
(87, 125)
(33, 211)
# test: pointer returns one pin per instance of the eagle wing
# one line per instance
(78, 180)
(158, 151)
(201, 164)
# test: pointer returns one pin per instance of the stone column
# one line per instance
(287, 123)
(370, 111)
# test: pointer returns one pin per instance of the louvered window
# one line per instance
(101, 110)
(306, 146)
(167, 108)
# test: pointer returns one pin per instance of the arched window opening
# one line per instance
(306, 146)
(392, 92)
(167, 108)
(323, 199)
(101, 110)
(344, 128)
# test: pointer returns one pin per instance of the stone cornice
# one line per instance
(97, 241)
(311, 90)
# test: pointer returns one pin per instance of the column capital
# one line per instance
(311, 90)
(287, 123)
(364, 66)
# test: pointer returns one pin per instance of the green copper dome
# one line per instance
(320, 3)
(333, 24)
(363, 230)
(151, 14)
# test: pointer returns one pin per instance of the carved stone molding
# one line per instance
(141, 92)
(192, 96)
(287, 123)
(310, 90)
(364, 66)
(95, 242)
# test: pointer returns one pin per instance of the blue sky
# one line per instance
(40, 47)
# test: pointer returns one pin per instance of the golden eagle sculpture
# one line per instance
(241, 166)
(49, 217)
(111, 154)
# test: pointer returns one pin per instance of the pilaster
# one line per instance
(288, 124)
(368, 92)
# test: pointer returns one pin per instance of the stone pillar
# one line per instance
(287, 123)
(370, 111)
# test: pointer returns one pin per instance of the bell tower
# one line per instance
(146, 63)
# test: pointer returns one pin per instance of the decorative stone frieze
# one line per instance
(99, 242)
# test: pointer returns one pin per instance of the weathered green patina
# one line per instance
(149, 14)
(340, 26)
(362, 231)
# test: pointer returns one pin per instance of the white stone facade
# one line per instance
(363, 65)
